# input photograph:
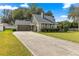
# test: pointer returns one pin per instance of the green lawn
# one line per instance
(11, 46)
(71, 36)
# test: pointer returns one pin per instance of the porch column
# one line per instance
(31, 27)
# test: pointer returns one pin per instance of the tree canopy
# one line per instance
(49, 13)
(73, 12)
(24, 13)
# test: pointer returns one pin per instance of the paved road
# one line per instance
(41, 45)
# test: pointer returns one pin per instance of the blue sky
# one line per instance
(60, 10)
(57, 9)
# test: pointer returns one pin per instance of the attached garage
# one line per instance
(24, 28)
(24, 25)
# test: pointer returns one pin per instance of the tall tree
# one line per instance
(22, 13)
(74, 14)
(7, 15)
(17, 14)
(39, 10)
(64, 25)
(49, 13)
(34, 9)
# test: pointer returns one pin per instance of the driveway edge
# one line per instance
(24, 44)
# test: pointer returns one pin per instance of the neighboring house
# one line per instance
(1, 27)
(37, 23)
(9, 26)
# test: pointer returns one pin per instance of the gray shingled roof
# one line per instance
(39, 18)
(23, 22)
(50, 18)
(46, 19)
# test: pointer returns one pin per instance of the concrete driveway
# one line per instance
(41, 45)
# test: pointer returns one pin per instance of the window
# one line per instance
(45, 25)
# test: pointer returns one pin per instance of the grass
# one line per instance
(11, 46)
(71, 36)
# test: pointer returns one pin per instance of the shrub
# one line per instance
(65, 29)
(14, 29)
(46, 30)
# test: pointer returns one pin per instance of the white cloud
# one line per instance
(67, 5)
(24, 5)
(7, 7)
(63, 16)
